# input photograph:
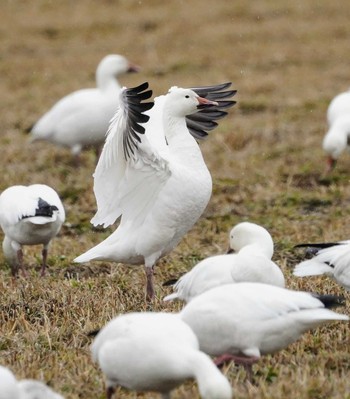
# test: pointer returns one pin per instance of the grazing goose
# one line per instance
(338, 135)
(151, 173)
(29, 215)
(155, 352)
(246, 320)
(10, 388)
(81, 118)
(252, 262)
(331, 259)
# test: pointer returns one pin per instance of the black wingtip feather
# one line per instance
(198, 123)
(135, 108)
(320, 245)
(330, 301)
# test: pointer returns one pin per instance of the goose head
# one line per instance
(112, 66)
(185, 102)
(246, 233)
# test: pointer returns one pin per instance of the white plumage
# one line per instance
(10, 388)
(81, 118)
(155, 352)
(251, 262)
(330, 259)
(337, 137)
(152, 175)
(252, 319)
(29, 215)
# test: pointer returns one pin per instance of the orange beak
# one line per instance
(133, 68)
(203, 103)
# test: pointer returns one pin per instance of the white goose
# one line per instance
(29, 215)
(331, 259)
(155, 352)
(251, 262)
(10, 388)
(246, 320)
(154, 176)
(81, 118)
(337, 137)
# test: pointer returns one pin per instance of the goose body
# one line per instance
(253, 247)
(330, 259)
(252, 319)
(29, 215)
(337, 137)
(155, 352)
(81, 118)
(151, 173)
(10, 388)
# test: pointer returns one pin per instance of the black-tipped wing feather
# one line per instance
(43, 209)
(203, 121)
(134, 108)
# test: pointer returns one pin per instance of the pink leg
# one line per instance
(20, 264)
(242, 360)
(149, 284)
(44, 264)
(246, 362)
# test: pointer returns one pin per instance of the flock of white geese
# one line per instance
(151, 177)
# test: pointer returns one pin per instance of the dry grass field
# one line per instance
(287, 60)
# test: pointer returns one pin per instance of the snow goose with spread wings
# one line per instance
(331, 259)
(253, 247)
(81, 118)
(29, 215)
(151, 173)
(10, 388)
(151, 351)
(246, 320)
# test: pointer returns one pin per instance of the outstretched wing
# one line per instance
(203, 121)
(130, 171)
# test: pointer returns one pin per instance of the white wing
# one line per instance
(132, 169)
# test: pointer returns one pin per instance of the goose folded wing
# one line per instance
(130, 171)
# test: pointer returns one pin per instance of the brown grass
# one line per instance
(287, 59)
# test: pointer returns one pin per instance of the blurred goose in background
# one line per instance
(246, 320)
(151, 173)
(155, 352)
(81, 118)
(331, 259)
(29, 215)
(338, 136)
(251, 262)
(10, 388)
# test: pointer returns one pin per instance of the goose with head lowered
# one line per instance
(151, 173)
(81, 118)
(11, 388)
(152, 351)
(246, 320)
(29, 215)
(253, 247)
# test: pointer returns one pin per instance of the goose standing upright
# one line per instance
(253, 247)
(29, 215)
(246, 320)
(337, 138)
(81, 118)
(155, 352)
(331, 259)
(154, 176)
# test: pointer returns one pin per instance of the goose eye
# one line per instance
(187, 96)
